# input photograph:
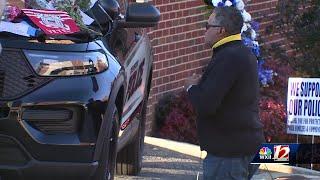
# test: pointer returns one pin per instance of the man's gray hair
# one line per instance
(230, 18)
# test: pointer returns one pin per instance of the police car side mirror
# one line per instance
(140, 15)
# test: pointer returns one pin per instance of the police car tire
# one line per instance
(129, 159)
(109, 155)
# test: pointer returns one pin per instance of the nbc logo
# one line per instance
(281, 153)
(265, 153)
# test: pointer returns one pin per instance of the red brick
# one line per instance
(175, 7)
(172, 46)
(162, 57)
(165, 1)
(165, 80)
(182, 5)
(173, 31)
(165, 64)
(165, 16)
(163, 8)
(168, 24)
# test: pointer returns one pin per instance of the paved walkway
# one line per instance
(162, 163)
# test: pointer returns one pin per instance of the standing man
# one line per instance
(226, 100)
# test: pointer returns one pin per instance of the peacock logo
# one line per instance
(265, 153)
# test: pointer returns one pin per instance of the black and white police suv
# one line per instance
(74, 106)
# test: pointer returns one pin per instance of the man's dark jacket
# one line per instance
(226, 102)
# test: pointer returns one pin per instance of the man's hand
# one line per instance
(192, 80)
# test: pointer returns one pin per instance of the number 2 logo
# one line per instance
(281, 152)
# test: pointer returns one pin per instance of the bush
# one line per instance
(162, 109)
(179, 127)
(177, 119)
(273, 116)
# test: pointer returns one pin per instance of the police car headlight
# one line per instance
(47, 63)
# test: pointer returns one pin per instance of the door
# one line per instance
(132, 47)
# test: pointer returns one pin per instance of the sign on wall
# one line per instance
(303, 106)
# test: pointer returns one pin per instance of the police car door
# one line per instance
(136, 61)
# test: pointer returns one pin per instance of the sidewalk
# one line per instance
(160, 163)
(165, 159)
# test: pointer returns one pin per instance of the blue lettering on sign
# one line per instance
(295, 107)
(308, 89)
(311, 108)
(314, 129)
(294, 89)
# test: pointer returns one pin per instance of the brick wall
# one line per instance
(178, 44)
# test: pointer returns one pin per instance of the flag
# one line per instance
(52, 22)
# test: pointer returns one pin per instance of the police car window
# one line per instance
(125, 39)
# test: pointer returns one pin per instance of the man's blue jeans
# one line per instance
(228, 168)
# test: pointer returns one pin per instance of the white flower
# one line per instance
(216, 2)
(248, 25)
(246, 16)
(240, 5)
(228, 3)
(244, 28)
(253, 34)
(256, 43)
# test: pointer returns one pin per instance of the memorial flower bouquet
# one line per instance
(53, 13)
(72, 7)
